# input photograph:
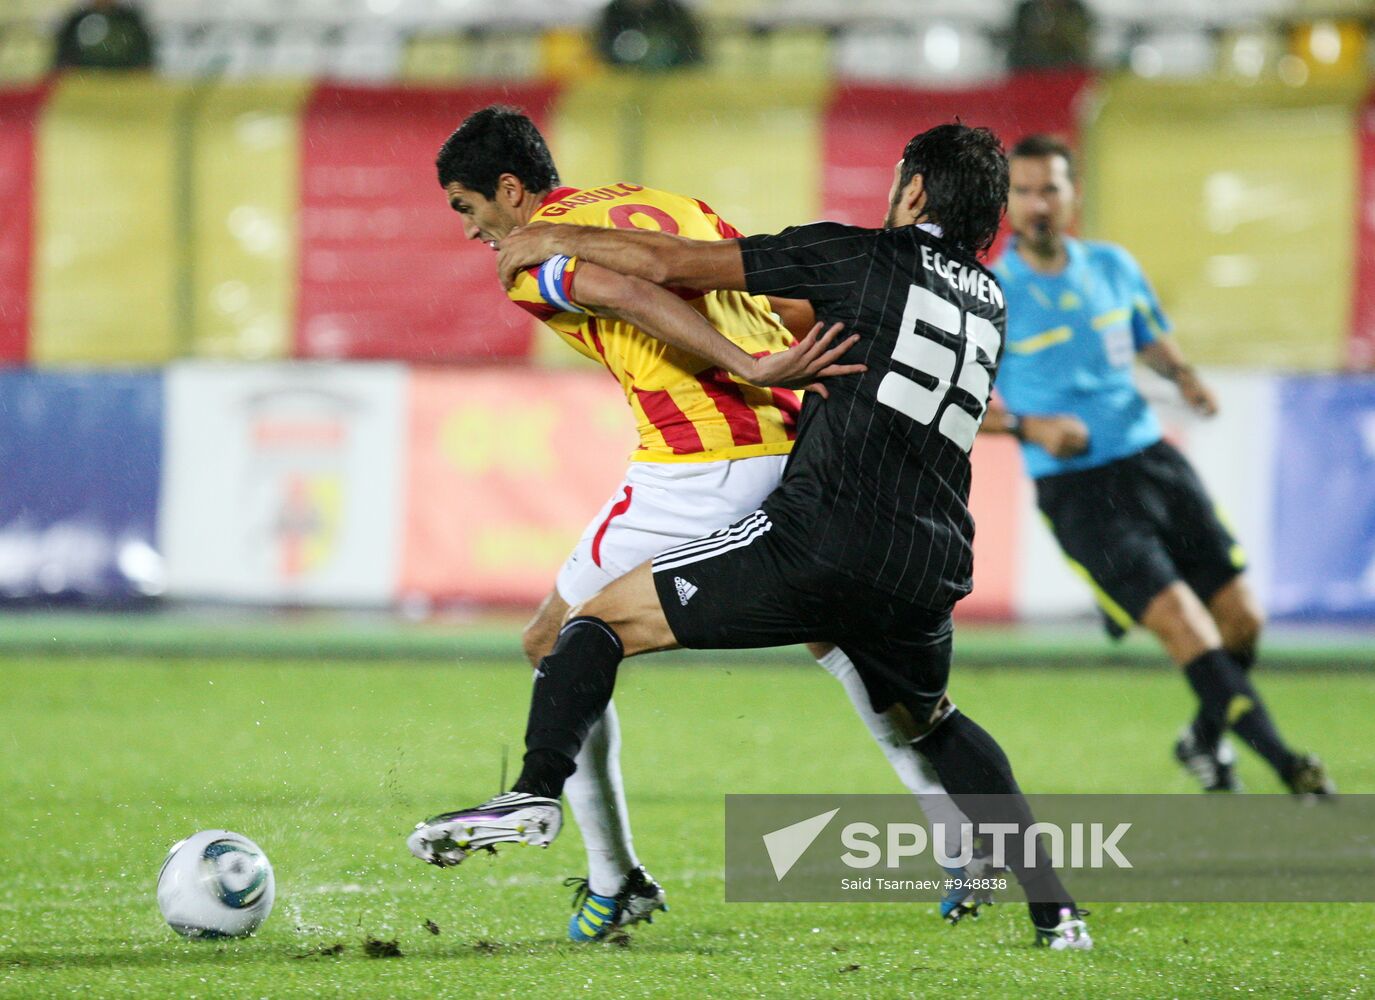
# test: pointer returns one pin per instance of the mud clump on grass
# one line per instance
(375, 948)
(324, 951)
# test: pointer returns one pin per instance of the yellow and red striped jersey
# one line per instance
(686, 409)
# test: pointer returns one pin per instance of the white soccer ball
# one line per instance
(215, 884)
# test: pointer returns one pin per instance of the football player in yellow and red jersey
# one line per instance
(686, 410)
(712, 445)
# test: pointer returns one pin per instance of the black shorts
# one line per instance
(750, 586)
(1135, 526)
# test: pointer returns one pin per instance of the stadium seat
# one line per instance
(876, 55)
(1248, 52)
(1174, 52)
(177, 50)
(232, 50)
(366, 52)
(1182, 12)
(501, 56)
(297, 50)
(433, 56)
(799, 52)
(941, 53)
(567, 53)
(25, 51)
(783, 51)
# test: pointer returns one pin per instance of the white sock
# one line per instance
(596, 795)
(891, 732)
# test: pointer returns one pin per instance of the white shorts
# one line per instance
(659, 505)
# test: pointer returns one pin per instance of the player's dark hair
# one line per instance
(1040, 144)
(494, 141)
(964, 173)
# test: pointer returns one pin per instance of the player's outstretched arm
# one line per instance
(652, 256)
(666, 317)
(1164, 357)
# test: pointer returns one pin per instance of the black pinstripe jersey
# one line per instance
(877, 487)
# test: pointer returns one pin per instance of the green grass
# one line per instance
(104, 762)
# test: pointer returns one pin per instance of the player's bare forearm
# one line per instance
(657, 312)
(652, 256)
(669, 319)
(1061, 434)
(1164, 357)
(796, 314)
(998, 420)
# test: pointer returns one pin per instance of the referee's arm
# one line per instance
(655, 257)
(1063, 435)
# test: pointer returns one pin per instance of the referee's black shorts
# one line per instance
(750, 586)
(1133, 527)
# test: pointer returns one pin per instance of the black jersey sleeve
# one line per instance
(820, 262)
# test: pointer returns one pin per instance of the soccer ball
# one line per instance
(215, 884)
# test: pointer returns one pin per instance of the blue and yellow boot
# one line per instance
(594, 917)
(970, 887)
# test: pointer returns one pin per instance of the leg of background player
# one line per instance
(1239, 618)
(596, 791)
(894, 731)
(1226, 696)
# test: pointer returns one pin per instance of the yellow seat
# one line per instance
(25, 53)
(433, 57)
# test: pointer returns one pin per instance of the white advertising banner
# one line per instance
(282, 483)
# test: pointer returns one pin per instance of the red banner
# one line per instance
(19, 111)
(507, 466)
(1361, 347)
(867, 127)
(385, 271)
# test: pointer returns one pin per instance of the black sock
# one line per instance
(1255, 726)
(1245, 659)
(1215, 679)
(1229, 699)
(977, 775)
(573, 686)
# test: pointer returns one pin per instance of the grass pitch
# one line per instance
(105, 762)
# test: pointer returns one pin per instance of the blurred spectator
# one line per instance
(649, 34)
(1050, 34)
(104, 34)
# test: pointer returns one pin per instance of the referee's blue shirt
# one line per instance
(1071, 340)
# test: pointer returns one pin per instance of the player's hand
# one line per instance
(523, 248)
(811, 358)
(1197, 394)
(1063, 435)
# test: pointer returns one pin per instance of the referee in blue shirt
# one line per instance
(1127, 508)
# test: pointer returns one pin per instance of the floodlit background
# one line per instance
(176, 240)
(282, 472)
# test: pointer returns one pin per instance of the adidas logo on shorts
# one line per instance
(685, 589)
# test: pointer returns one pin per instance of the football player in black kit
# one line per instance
(866, 542)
